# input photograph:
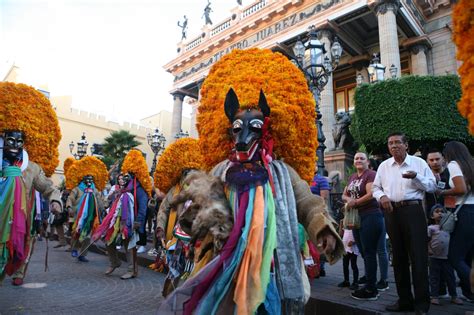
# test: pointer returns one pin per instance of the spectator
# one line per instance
(358, 195)
(351, 256)
(461, 181)
(438, 251)
(399, 186)
(437, 165)
(320, 186)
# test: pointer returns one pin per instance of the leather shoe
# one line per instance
(110, 270)
(398, 307)
(128, 275)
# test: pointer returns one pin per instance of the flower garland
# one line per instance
(89, 165)
(180, 155)
(66, 166)
(292, 106)
(25, 109)
(134, 163)
(463, 22)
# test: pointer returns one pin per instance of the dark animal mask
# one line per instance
(13, 145)
(246, 125)
(88, 180)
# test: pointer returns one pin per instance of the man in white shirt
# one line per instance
(399, 186)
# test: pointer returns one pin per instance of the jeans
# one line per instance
(382, 255)
(461, 244)
(371, 229)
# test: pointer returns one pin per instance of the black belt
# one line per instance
(406, 203)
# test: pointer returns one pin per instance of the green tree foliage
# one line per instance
(117, 145)
(423, 107)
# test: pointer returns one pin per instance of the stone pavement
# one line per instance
(82, 288)
(72, 287)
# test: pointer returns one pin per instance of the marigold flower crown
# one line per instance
(89, 165)
(134, 163)
(25, 109)
(292, 107)
(183, 154)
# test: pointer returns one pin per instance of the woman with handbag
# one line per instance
(358, 196)
(461, 181)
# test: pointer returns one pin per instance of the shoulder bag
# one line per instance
(448, 219)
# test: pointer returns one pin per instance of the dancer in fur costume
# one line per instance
(23, 113)
(259, 269)
(127, 213)
(175, 254)
(85, 202)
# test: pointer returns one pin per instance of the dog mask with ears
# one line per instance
(246, 125)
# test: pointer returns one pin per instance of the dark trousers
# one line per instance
(372, 228)
(352, 258)
(442, 267)
(461, 245)
(407, 228)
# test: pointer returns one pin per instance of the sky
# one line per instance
(107, 54)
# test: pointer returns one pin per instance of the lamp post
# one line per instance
(316, 67)
(376, 70)
(81, 147)
(181, 134)
(157, 141)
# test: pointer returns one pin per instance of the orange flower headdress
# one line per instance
(134, 163)
(182, 154)
(89, 165)
(292, 107)
(25, 109)
(463, 22)
(66, 166)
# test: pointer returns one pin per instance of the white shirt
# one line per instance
(349, 237)
(389, 180)
(455, 171)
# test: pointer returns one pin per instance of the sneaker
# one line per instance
(365, 295)
(141, 249)
(434, 301)
(354, 286)
(457, 301)
(468, 297)
(362, 280)
(344, 284)
(382, 285)
(74, 253)
(82, 259)
(152, 252)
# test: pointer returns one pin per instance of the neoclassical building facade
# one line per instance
(412, 35)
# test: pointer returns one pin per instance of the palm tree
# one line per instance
(117, 145)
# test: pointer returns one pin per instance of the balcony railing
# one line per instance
(254, 8)
(223, 26)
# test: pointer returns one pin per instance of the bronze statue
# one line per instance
(340, 132)
(207, 12)
(184, 27)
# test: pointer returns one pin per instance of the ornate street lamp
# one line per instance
(157, 141)
(311, 60)
(376, 70)
(81, 147)
(393, 71)
(181, 134)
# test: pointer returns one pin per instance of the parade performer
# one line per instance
(259, 268)
(84, 203)
(179, 160)
(27, 122)
(127, 214)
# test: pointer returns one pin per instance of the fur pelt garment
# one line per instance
(209, 211)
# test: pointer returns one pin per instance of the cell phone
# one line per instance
(441, 185)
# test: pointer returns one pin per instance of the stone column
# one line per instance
(327, 95)
(193, 133)
(418, 59)
(177, 115)
(386, 11)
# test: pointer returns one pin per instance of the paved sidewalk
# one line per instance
(72, 287)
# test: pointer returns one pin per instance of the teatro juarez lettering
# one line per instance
(255, 38)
